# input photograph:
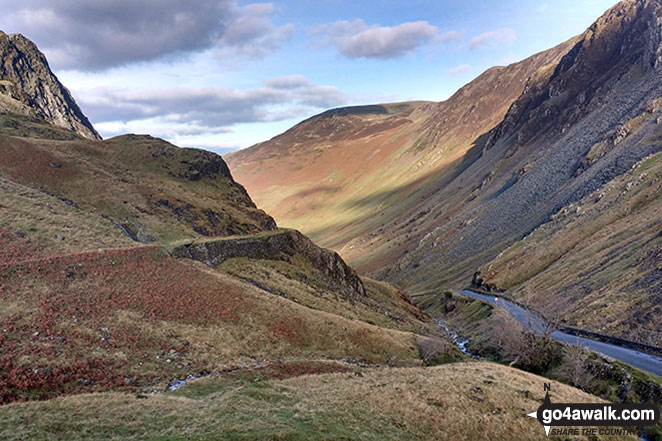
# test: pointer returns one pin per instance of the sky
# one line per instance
(226, 74)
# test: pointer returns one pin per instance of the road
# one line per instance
(647, 362)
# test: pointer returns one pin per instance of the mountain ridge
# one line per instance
(28, 87)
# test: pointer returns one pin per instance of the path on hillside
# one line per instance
(647, 362)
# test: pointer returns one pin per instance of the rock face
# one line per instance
(279, 246)
(28, 87)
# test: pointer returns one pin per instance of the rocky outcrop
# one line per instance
(479, 284)
(282, 245)
(28, 87)
(629, 34)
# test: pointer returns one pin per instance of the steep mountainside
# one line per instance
(573, 119)
(347, 176)
(28, 87)
(610, 242)
(567, 135)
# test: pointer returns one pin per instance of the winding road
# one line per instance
(646, 362)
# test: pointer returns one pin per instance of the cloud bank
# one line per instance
(100, 34)
(212, 109)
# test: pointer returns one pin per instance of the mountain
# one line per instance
(128, 263)
(436, 191)
(29, 88)
(397, 151)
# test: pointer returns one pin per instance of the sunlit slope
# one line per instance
(345, 175)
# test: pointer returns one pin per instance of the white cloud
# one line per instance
(493, 38)
(356, 39)
(450, 36)
(288, 82)
(191, 111)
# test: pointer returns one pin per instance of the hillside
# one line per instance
(160, 192)
(461, 187)
(128, 263)
(441, 403)
(611, 242)
(93, 299)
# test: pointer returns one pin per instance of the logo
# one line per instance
(568, 415)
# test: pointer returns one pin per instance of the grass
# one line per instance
(34, 214)
(159, 191)
(133, 318)
(476, 400)
(297, 280)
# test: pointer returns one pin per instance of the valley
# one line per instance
(405, 271)
(561, 147)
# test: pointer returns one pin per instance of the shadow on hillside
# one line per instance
(320, 189)
(430, 183)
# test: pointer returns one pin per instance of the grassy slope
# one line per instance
(383, 305)
(324, 198)
(136, 318)
(465, 401)
(96, 311)
(595, 264)
(145, 184)
(41, 217)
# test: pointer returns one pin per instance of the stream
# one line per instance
(460, 343)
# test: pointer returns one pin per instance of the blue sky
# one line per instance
(225, 74)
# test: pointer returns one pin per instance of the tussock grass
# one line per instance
(384, 304)
(29, 212)
(464, 401)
